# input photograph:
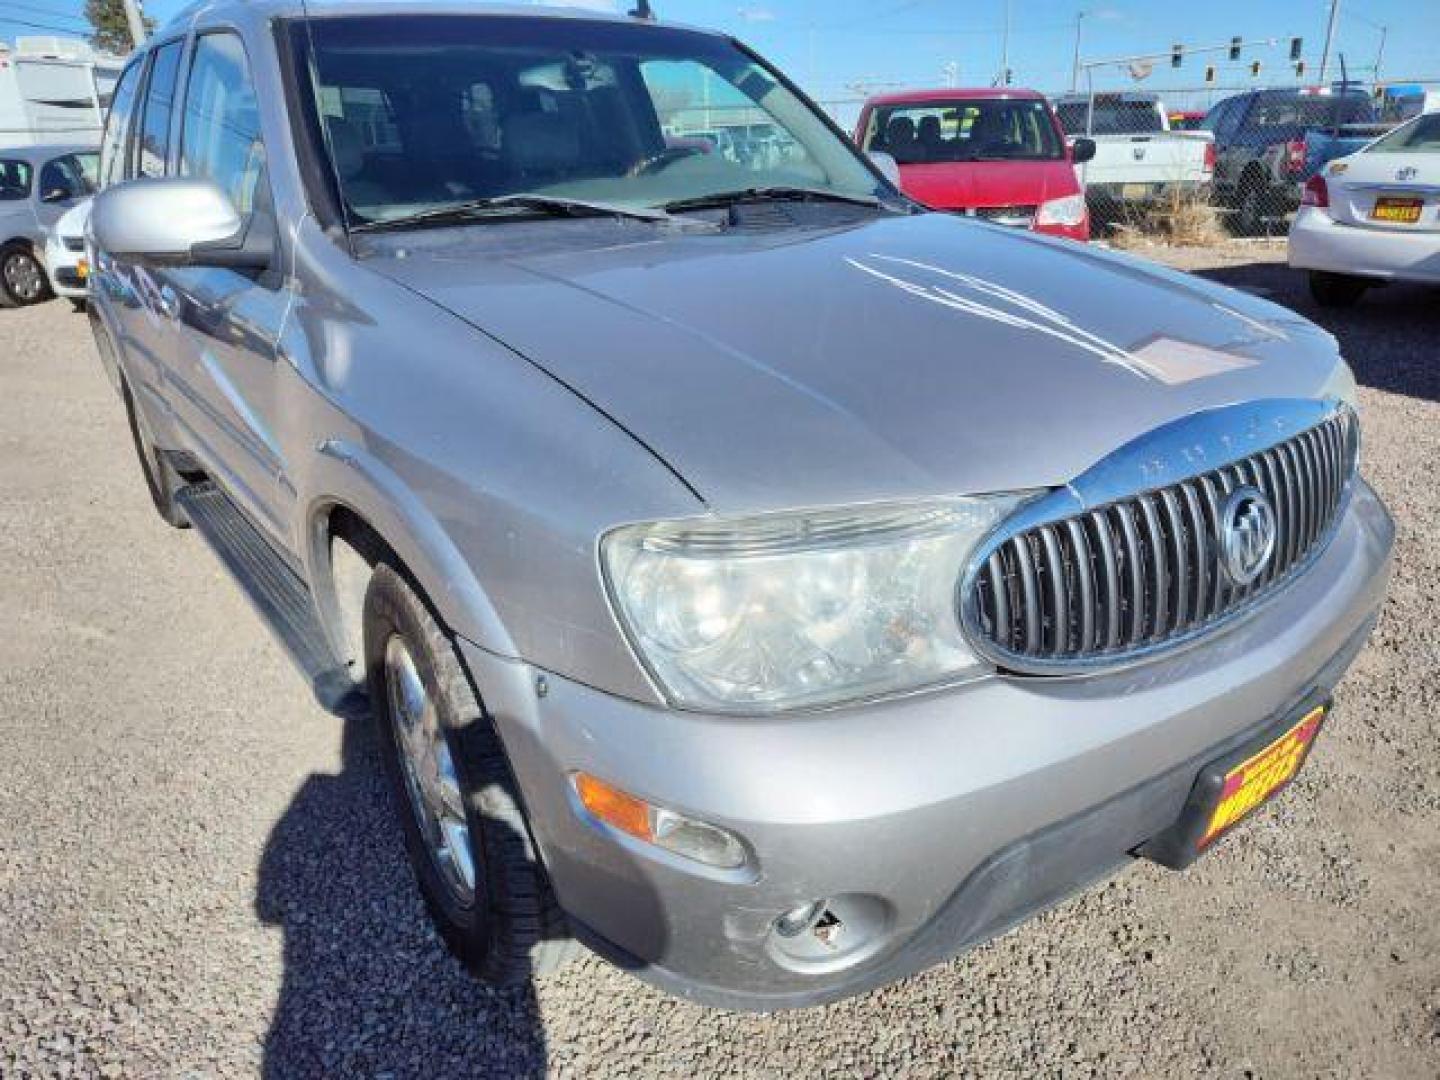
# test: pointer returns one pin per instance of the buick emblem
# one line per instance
(1409, 172)
(1247, 534)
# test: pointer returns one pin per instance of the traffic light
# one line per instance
(1210, 73)
(1254, 68)
(1177, 55)
(1234, 48)
(1297, 45)
(1299, 69)
(1009, 76)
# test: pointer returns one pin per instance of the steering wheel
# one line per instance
(664, 158)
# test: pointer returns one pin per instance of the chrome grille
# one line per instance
(1146, 572)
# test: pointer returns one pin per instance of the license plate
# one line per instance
(1232, 786)
(1401, 211)
(1134, 191)
(1261, 775)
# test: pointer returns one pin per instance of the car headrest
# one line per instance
(347, 146)
(541, 141)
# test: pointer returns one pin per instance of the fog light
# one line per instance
(668, 829)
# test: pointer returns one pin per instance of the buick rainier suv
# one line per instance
(756, 578)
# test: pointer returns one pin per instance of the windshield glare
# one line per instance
(425, 112)
(927, 133)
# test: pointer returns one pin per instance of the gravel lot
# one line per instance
(199, 874)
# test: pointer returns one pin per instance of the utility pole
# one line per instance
(1005, 48)
(1380, 52)
(136, 22)
(1329, 39)
(1075, 66)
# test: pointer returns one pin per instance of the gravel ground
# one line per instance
(199, 874)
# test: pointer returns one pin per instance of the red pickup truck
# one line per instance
(997, 154)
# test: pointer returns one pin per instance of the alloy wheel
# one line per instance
(430, 776)
(23, 277)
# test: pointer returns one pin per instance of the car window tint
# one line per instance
(159, 107)
(65, 174)
(1113, 116)
(14, 180)
(117, 126)
(222, 140)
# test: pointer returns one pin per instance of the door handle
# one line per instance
(170, 303)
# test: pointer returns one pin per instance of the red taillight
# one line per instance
(1210, 157)
(1316, 193)
(1295, 155)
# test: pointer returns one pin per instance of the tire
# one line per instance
(1336, 290)
(22, 278)
(1250, 208)
(160, 476)
(508, 926)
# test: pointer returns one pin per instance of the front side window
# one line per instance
(1420, 136)
(117, 126)
(999, 129)
(222, 140)
(159, 108)
(1292, 114)
(69, 177)
(425, 112)
(14, 180)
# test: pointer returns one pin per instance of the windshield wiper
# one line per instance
(777, 193)
(523, 200)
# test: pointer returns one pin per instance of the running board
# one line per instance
(279, 596)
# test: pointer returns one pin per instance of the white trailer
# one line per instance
(54, 90)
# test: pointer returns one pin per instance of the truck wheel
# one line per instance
(1336, 290)
(22, 278)
(465, 831)
(1250, 212)
(160, 476)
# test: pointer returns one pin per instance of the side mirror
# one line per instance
(57, 194)
(175, 222)
(888, 166)
(1082, 150)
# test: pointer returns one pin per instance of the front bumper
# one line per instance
(956, 813)
(62, 266)
(1319, 242)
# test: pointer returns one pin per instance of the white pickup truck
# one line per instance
(1138, 158)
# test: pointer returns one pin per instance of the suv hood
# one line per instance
(901, 356)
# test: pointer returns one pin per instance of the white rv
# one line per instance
(54, 90)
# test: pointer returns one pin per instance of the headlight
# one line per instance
(781, 611)
(1067, 211)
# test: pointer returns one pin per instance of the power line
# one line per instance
(39, 26)
(41, 11)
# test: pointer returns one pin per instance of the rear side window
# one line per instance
(159, 108)
(1113, 116)
(117, 127)
(14, 180)
(222, 123)
(1421, 136)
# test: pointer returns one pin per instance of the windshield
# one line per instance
(983, 129)
(425, 112)
(1420, 136)
(1113, 116)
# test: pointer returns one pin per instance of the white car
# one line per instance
(1373, 217)
(65, 259)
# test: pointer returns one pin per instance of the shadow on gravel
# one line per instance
(1391, 337)
(369, 989)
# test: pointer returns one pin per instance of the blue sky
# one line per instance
(834, 46)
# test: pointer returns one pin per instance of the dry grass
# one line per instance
(1185, 219)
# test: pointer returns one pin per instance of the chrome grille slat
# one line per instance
(1148, 570)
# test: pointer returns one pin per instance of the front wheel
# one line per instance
(465, 831)
(22, 278)
(1336, 290)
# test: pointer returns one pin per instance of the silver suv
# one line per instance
(773, 585)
